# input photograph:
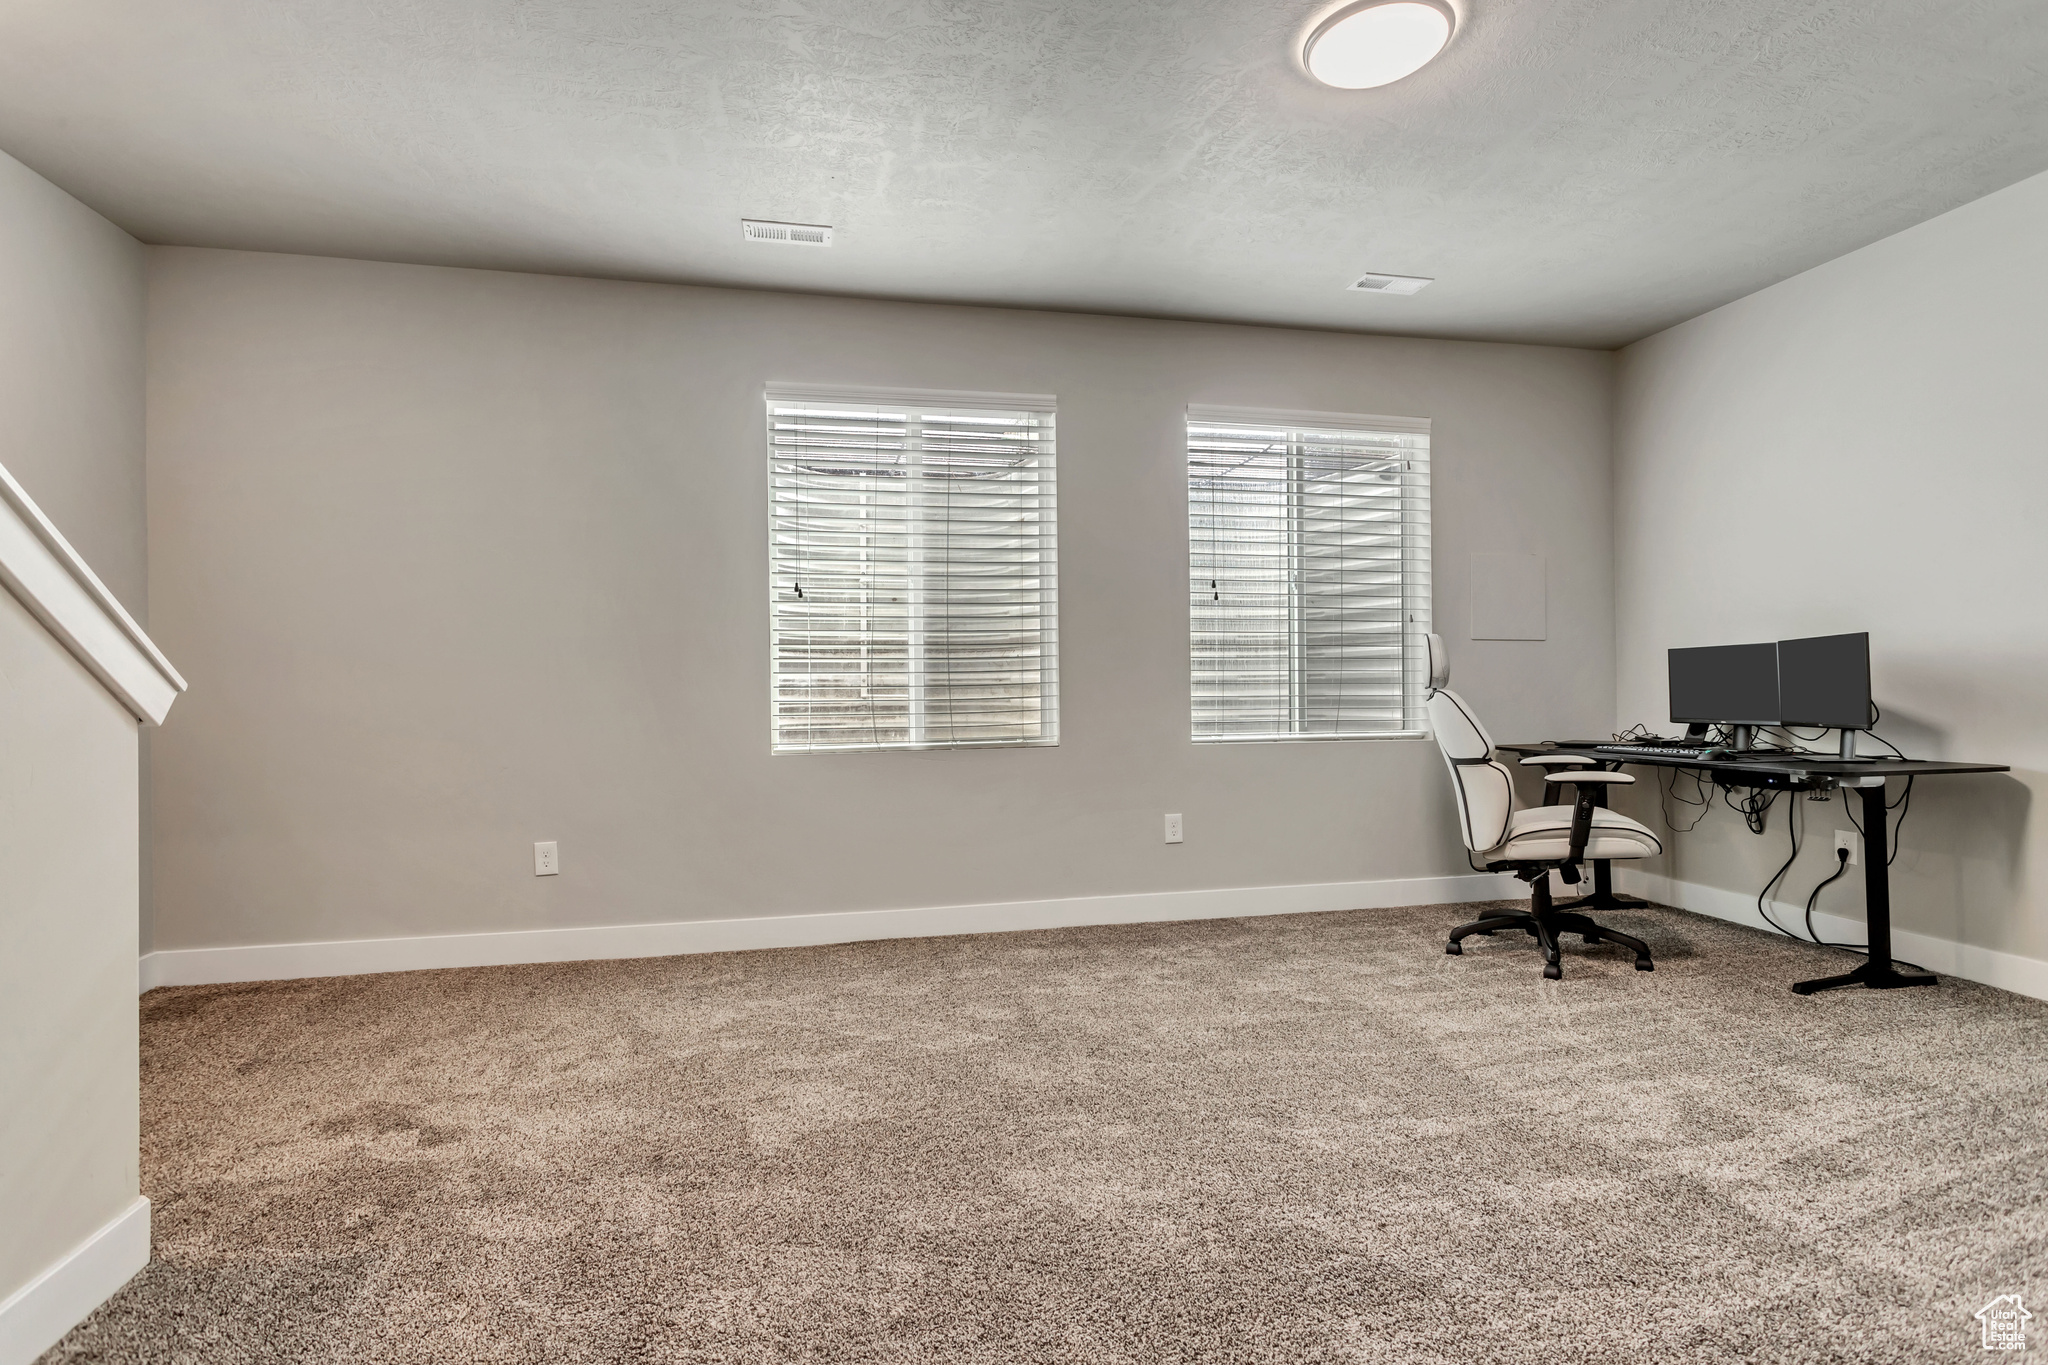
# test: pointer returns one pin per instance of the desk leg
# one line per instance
(1603, 897)
(1878, 973)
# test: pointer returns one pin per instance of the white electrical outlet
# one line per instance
(1850, 840)
(1173, 829)
(546, 860)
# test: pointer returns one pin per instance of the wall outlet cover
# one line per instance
(547, 860)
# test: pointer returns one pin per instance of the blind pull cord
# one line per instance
(799, 589)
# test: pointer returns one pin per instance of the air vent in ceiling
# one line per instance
(1391, 284)
(788, 234)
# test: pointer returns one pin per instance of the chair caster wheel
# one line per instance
(1589, 938)
(1455, 949)
(1553, 972)
(1643, 964)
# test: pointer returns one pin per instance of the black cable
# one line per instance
(1700, 797)
(1792, 748)
(1792, 830)
(1841, 866)
(1755, 808)
(1862, 950)
(1667, 784)
(1904, 808)
(1842, 856)
(1903, 805)
(1876, 715)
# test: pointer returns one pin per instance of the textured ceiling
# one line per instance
(1578, 171)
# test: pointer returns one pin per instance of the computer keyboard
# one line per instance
(1661, 750)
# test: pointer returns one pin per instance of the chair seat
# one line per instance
(1544, 833)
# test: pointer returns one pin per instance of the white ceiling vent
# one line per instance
(1391, 284)
(789, 234)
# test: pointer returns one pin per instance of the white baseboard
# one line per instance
(43, 1310)
(284, 961)
(2007, 971)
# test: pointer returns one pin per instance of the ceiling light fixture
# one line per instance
(1377, 42)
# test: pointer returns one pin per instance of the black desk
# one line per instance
(1816, 772)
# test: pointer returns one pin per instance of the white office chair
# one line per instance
(1536, 840)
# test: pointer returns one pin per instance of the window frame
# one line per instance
(1416, 593)
(920, 405)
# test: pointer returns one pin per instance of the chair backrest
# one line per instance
(1485, 789)
(1439, 661)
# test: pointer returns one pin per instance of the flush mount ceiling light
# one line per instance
(1377, 42)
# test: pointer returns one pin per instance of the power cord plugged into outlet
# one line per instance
(1841, 866)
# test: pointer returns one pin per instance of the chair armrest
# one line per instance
(1589, 785)
(1568, 762)
(1582, 828)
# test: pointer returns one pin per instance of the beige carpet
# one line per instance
(1314, 1138)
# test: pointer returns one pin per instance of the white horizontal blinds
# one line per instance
(912, 572)
(1309, 574)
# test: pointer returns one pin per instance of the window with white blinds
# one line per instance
(1309, 597)
(912, 570)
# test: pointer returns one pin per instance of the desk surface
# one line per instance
(1798, 765)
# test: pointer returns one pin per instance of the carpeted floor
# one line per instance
(1312, 1138)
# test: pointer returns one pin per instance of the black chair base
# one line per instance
(1545, 922)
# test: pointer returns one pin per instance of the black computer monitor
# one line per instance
(1725, 685)
(1825, 680)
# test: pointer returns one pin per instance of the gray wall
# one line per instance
(71, 431)
(70, 1123)
(458, 560)
(1863, 447)
(71, 389)
(71, 299)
